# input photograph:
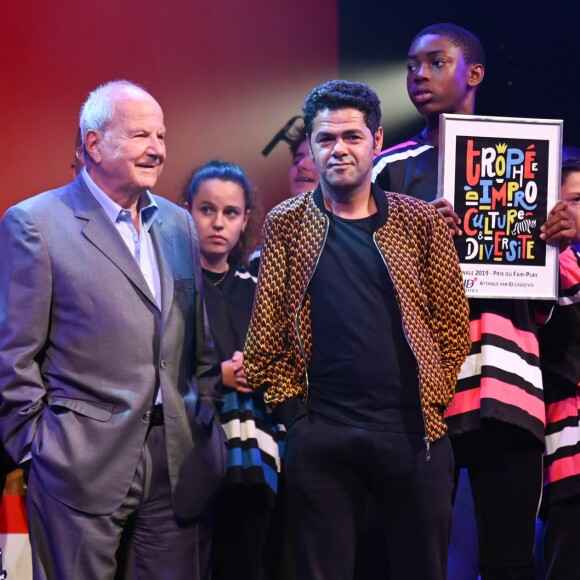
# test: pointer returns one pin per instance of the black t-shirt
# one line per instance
(362, 371)
(228, 301)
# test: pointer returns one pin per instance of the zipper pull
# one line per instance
(427, 448)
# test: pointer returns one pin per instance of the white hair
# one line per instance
(97, 111)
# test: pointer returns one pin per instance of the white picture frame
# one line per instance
(502, 176)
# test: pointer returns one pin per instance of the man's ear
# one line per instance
(476, 74)
(92, 142)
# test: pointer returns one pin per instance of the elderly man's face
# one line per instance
(130, 152)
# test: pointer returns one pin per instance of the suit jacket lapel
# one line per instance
(101, 232)
(164, 252)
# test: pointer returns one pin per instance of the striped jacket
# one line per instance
(420, 257)
(501, 377)
(560, 356)
(253, 437)
(409, 167)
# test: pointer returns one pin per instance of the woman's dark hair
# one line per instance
(226, 171)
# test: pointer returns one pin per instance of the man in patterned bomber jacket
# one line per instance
(359, 328)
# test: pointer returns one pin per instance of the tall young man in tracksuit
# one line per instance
(497, 417)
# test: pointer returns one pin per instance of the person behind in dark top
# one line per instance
(223, 203)
(303, 175)
(496, 418)
(359, 327)
(560, 358)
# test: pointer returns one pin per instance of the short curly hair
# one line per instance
(341, 94)
(469, 45)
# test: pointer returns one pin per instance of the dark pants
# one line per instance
(562, 540)
(240, 527)
(463, 549)
(504, 463)
(332, 468)
(279, 548)
(141, 540)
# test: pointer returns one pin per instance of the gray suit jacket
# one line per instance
(84, 348)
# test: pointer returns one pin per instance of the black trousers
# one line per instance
(562, 539)
(241, 517)
(504, 463)
(332, 468)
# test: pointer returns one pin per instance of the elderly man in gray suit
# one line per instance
(107, 372)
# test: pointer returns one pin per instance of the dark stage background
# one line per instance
(230, 73)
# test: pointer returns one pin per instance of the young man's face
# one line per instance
(570, 193)
(343, 149)
(438, 78)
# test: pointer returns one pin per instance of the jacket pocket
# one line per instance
(92, 409)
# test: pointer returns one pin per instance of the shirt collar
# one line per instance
(149, 208)
(380, 200)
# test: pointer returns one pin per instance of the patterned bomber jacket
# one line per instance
(420, 257)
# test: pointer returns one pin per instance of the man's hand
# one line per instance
(560, 227)
(233, 375)
(452, 220)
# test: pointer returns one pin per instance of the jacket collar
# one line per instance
(378, 194)
(101, 232)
